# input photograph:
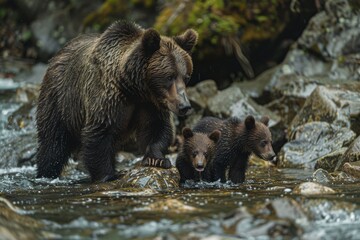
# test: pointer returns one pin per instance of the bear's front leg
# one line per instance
(155, 135)
(98, 152)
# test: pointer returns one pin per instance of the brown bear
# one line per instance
(100, 89)
(238, 140)
(195, 155)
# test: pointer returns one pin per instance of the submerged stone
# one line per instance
(150, 177)
(274, 223)
(322, 176)
(311, 141)
(170, 205)
(311, 188)
(352, 168)
(287, 208)
(17, 226)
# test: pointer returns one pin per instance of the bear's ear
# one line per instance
(250, 122)
(150, 41)
(187, 40)
(187, 133)
(265, 120)
(215, 136)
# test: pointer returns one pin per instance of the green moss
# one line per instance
(216, 20)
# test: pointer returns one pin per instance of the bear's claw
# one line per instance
(156, 162)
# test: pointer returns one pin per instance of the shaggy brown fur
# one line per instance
(100, 89)
(238, 140)
(195, 155)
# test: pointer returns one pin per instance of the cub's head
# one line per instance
(259, 138)
(169, 69)
(199, 147)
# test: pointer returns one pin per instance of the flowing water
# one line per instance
(70, 209)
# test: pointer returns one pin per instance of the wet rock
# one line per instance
(322, 176)
(58, 24)
(342, 177)
(330, 161)
(198, 96)
(352, 154)
(327, 47)
(287, 208)
(325, 54)
(245, 225)
(151, 177)
(352, 168)
(17, 226)
(255, 88)
(200, 93)
(332, 105)
(311, 188)
(231, 102)
(17, 148)
(170, 205)
(286, 107)
(333, 32)
(312, 141)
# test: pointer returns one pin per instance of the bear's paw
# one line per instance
(156, 162)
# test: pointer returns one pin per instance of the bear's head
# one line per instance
(199, 147)
(259, 140)
(169, 69)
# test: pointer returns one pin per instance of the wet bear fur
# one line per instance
(100, 89)
(238, 140)
(196, 154)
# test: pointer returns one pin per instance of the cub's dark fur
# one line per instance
(196, 154)
(238, 140)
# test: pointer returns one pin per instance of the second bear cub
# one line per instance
(238, 140)
(197, 151)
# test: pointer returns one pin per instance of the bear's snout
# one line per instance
(271, 157)
(199, 163)
(185, 108)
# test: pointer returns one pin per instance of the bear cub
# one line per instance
(238, 140)
(196, 154)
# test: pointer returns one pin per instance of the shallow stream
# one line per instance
(67, 208)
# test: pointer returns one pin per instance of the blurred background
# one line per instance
(237, 39)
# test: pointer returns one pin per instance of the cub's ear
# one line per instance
(187, 40)
(249, 122)
(215, 136)
(150, 41)
(187, 133)
(265, 120)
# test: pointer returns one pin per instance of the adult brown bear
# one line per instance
(100, 89)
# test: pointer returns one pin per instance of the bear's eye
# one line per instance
(194, 154)
(205, 154)
(170, 78)
(263, 143)
(187, 79)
